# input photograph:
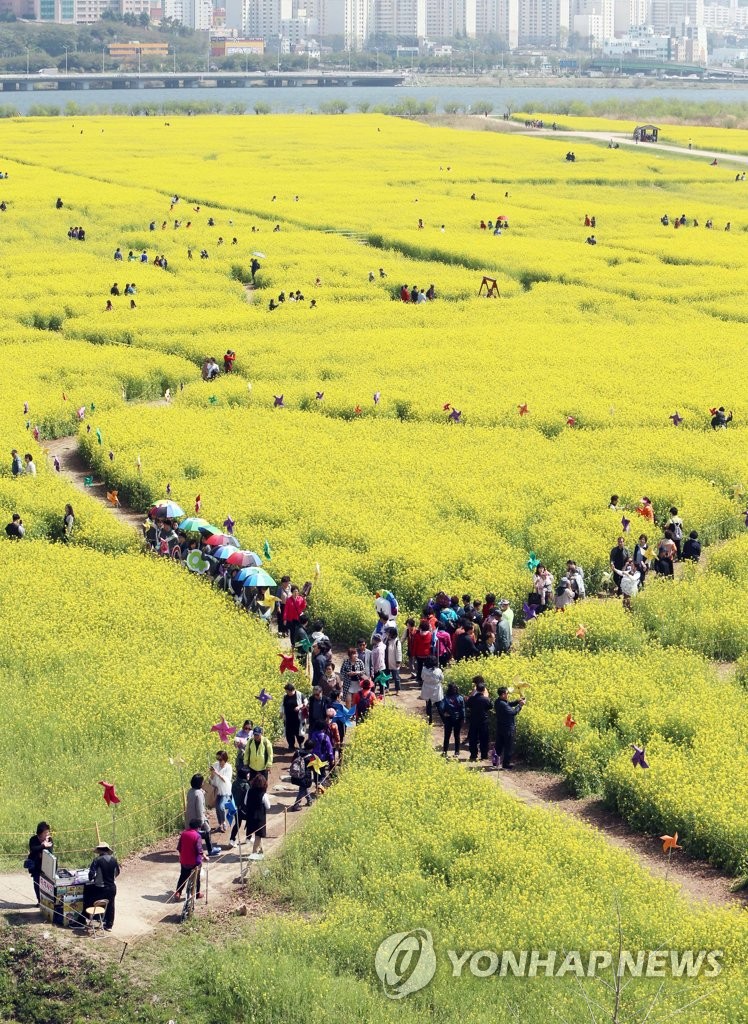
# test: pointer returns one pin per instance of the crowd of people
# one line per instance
(682, 222)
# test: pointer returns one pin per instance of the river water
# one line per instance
(302, 99)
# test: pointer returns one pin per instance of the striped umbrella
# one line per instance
(244, 559)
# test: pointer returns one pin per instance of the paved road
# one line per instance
(626, 140)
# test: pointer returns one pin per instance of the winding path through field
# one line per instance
(152, 871)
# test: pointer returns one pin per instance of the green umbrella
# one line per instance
(193, 524)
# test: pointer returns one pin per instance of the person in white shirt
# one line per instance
(220, 775)
(564, 595)
(29, 468)
(630, 577)
(432, 691)
(377, 655)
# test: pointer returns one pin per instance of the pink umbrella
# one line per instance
(244, 559)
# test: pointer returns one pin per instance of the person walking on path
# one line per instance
(190, 847)
(195, 811)
(258, 756)
(506, 723)
(301, 775)
(421, 646)
(619, 555)
(293, 702)
(220, 776)
(239, 790)
(351, 674)
(692, 548)
(451, 709)
(432, 678)
(504, 634)
(102, 885)
(393, 655)
(256, 807)
(292, 609)
(479, 706)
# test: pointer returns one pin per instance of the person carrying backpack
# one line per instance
(363, 700)
(451, 709)
(239, 790)
(301, 774)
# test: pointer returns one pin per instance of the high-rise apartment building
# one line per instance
(628, 14)
(397, 18)
(265, 17)
(543, 22)
(668, 16)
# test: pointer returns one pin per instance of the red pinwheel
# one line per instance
(569, 722)
(198, 504)
(570, 421)
(446, 407)
(110, 797)
(581, 632)
(358, 410)
(223, 729)
(523, 409)
(712, 412)
(287, 663)
(64, 397)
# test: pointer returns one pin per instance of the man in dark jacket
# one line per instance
(465, 645)
(320, 653)
(506, 722)
(692, 547)
(618, 558)
(102, 885)
(318, 706)
(479, 706)
(38, 843)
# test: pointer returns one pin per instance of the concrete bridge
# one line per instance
(193, 80)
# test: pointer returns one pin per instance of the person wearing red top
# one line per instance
(190, 846)
(404, 293)
(421, 646)
(228, 361)
(294, 606)
(489, 605)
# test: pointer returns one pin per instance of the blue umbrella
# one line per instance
(223, 552)
(254, 577)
